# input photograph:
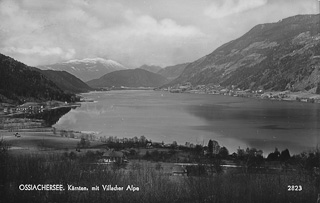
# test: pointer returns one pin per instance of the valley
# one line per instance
(141, 102)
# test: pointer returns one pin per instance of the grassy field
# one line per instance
(40, 142)
(154, 185)
(44, 158)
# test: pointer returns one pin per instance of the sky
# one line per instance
(132, 32)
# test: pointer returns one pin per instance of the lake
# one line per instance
(232, 121)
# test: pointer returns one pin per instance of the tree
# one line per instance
(253, 152)
(135, 139)
(174, 144)
(198, 149)
(223, 152)
(143, 139)
(210, 147)
(240, 153)
(213, 147)
(312, 161)
(251, 158)
(285, 155)
(216, 147)
(84, 143)
(274, 156)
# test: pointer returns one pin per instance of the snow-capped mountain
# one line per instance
(86, 69)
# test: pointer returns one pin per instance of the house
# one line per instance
(224, 91)
(189, 145)
(30, 107)
(112, 156)
(175, 90)
(149, 145)
(7, 108)
(17, 135)
(179, 170)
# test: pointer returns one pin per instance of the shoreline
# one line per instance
(282, 96)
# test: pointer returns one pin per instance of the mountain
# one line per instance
(150, 68)
(129, 78)
(66, 81)
(20, 83)
(273, 56)
(172, 72)
(86, 69)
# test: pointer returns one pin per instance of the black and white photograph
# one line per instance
(160, 101)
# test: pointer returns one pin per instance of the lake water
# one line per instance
(232, 121)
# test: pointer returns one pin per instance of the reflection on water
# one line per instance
(232, 121)
(264, 124)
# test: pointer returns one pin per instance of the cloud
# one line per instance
(39, 32)
(42, 51)
(81, 29)
(143, 39)
(33, 54)
(141, 25)
(220, 9)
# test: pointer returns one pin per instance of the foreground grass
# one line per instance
(154, 185)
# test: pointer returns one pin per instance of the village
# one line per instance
(32, 115)
(287, 95)
(30, 108)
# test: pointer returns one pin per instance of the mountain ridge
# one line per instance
(20, 83)
(172, 72)
(66, 81)
(86, 69)
(272, 56)
(151, 68)
(129, 78)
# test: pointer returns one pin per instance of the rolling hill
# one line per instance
(150, 68)
(172, 72)
(20, 83)
(66, 81)
(129, 78)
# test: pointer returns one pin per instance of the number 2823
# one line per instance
(294, 188)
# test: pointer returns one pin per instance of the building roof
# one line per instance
(178, 169)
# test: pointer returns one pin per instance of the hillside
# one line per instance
(129, 78)
(172, 72)
(151, 68)
(20, 83)
(66, 81)
(274, 56)
(86, 69)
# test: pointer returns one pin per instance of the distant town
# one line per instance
(287, 95)
(30, 108)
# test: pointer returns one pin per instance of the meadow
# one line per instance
(154, 184)
(44, 158)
